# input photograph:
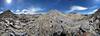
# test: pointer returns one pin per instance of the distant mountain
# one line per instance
(7, 14)
(54, 13)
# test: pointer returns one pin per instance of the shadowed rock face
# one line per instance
(54, 23)
(95, 21)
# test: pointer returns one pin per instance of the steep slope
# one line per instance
(75, 16)
(7, 14)
(96, 14)
(55, 23)
(95, 21)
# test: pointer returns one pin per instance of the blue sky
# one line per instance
(65, 6)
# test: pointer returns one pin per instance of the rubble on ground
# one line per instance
(54, 23)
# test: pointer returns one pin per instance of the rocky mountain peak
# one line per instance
(7, 10)
(54, 12)
(7, 14)
(96, 14)
(98, 11)
(54, 23)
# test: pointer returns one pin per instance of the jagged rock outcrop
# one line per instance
(95, 21)
(96, 14)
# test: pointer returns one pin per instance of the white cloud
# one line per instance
(17, 10)
(28, 11)
(1, 12)
(73, 8)
(78, 8)
(93, 11)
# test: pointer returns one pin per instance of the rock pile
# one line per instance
(54, 23)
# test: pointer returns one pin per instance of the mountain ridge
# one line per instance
(53, 23)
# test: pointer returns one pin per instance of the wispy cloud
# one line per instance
(29, 11)
(77, 8)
